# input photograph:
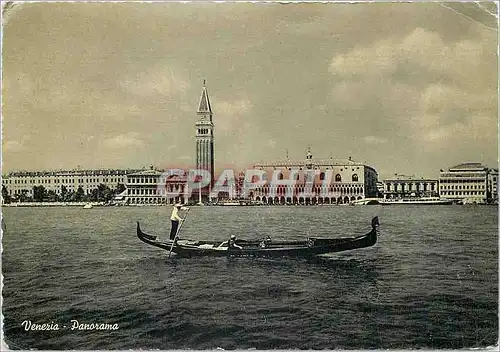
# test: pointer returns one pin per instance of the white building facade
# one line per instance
(22, 182)
(152, 187)
(316, 181)
(402, 187)
(467, 182)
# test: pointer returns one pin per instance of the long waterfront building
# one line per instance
(22, 182)
(350, 180)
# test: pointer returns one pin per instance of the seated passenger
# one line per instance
(232, 243)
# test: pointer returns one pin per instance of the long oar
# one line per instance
(178, 231)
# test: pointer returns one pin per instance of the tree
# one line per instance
(6, 198)
(52, 196)
(101, 192)
(120, 188)
(94, 196)
(80, 194)
(39, 193)
(23, 197)
(64, 193)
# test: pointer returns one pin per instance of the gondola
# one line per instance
(263, 247)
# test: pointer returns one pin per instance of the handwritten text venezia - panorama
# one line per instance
(28, 325)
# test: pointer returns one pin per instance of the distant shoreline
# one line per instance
(53, 204)
(102, 205)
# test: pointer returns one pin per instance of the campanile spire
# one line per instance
(204, 108)
(205, 134)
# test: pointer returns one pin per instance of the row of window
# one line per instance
(402, 188)
(316, 190)
(56, 190)
(63, 181)
(154, 191)
(152, 180)
(204, 131)
(153, 200)
(338, 177)
(476, 180)
(463, 187)
(315, 186)
(307, 200)
(462, 193)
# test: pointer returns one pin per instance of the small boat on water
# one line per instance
(230, 204)
(418, 201)
(366, 201)
(87, 206)
(263, 247)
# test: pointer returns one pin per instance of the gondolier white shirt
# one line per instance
(175, 214)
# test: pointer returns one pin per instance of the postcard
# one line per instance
(249, 175)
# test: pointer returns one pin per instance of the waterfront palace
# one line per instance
(349, 180)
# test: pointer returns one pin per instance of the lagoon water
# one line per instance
(431, 281)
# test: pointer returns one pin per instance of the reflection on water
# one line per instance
(429, 282)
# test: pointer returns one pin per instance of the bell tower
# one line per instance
(205, 134)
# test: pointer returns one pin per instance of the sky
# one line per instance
(408, 88)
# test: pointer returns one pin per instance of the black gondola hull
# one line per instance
(260, 248)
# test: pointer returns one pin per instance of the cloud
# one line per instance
(157, 80)
(234, 107)
(433, 92)
(374, 140)
(123, 141)
(449, 115)
(420, 49)
(13, 146)
(231, 114)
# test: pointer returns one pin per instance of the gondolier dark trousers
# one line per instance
(173, 230)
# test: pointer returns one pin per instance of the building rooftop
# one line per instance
(305, 162)
(75, 172)
(468, 167)
(409, 178)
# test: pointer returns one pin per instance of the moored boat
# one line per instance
(366, 201)
(418, 201)
(263, 247)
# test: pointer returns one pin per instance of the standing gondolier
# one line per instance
(176, 219)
